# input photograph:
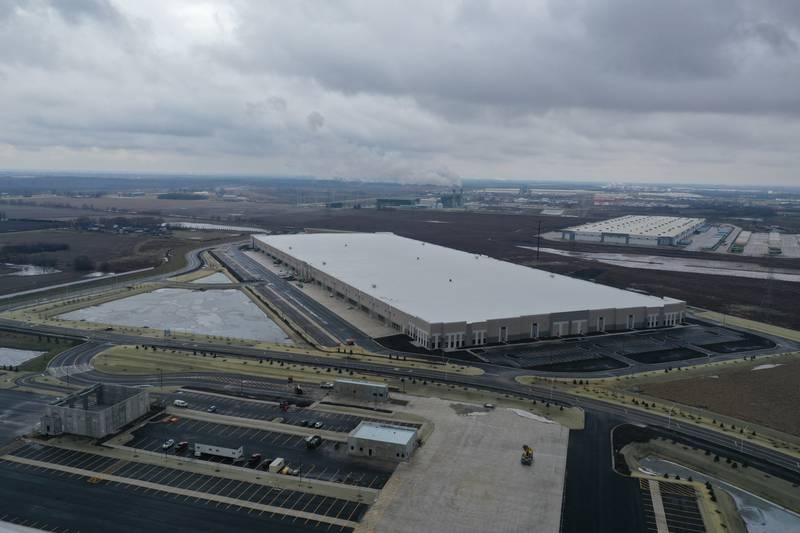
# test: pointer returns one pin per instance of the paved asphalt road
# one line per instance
(19, 412)
(597, 499)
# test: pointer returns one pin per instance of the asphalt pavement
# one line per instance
(328, 462)
(48, 499)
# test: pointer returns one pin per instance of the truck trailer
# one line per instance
(218, 451)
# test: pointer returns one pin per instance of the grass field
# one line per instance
(122, 252)
(767, 397)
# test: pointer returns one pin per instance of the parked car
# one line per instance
(489, 405)
(317, 425)
(168, 444)
(313, 441)
(182, 446)
(326, 385)
(180, 403)
(304, 423)
(255, 458)
(212, 409)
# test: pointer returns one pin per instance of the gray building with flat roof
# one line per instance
(98, 411)
(382, 441)
(365, 391)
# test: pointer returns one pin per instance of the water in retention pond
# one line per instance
(225, 313)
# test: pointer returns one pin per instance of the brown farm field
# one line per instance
(122, 253)
(767, 397)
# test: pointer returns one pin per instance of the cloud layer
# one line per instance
(573, 89)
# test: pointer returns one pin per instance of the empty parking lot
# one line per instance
(604, 352)
(328, 462)
(54, 500)
(182, 479)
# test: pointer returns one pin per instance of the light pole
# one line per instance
(669, 416)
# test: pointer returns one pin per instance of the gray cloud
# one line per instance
(315, 121)
(424, 91)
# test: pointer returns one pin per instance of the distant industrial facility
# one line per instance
(98, 411)
(636, 230)
(445, 299)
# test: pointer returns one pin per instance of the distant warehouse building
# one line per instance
(382, 441)
(367, 391)
(98, 411)
(636, 230)
(447, 299)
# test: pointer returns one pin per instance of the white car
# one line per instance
(180, 403)
(326, 385)
(168, 444)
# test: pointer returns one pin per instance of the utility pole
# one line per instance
(538, 240)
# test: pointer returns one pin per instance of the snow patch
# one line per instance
(766, 367)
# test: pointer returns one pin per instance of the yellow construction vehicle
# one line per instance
(527, 455)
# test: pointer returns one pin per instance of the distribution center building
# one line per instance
(636, 230)
(447, 299)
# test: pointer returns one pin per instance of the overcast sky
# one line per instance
(611, 90)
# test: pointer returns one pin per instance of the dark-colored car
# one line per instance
(313, 441)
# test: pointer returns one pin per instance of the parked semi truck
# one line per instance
(218, 451)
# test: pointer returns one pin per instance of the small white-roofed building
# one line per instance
(365, 391)
(638, 230)
(448, 299)
(382, 441)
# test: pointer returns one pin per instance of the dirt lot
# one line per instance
(767, 397)
(122, 253)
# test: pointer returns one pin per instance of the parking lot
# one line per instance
(296, 416)
(53, 500)
(328, 462)
(603, 352)
(172, 477)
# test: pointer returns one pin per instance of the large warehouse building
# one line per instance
(636, 230)
(448, 299)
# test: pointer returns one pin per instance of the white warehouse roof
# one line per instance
(642, 225)
(438, 284)
(383, 433)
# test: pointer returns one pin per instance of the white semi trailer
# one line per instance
(219, 451)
